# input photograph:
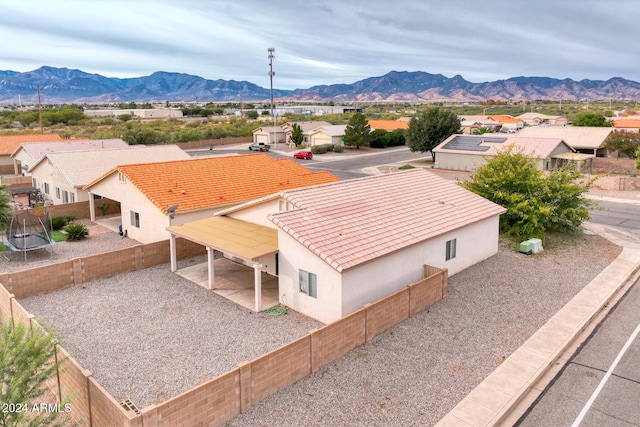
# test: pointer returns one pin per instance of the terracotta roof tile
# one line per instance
(505, 118)
(388, 124)
(216, 181)
(627, 123)
(351, 222)
(8, 143)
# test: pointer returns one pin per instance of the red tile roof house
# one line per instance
(9, 143)
(196, 188)
(339, 246)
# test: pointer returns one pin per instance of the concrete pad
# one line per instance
(473, 413)
(490, 397)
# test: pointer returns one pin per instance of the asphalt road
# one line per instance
(623, 215)
(592, 390)
(345, 166)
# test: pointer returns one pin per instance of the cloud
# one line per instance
(325, 42)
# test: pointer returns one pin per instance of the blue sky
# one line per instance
(325, 42)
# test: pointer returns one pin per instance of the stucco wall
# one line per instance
(257, 214)
(459, 161)
(44, 172)
(292, 257)
(377, 279)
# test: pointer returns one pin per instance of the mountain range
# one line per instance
(62, 85)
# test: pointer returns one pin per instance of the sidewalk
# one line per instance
(509, 390)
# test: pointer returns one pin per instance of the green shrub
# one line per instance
(403, 167)
(338, 148)
(330, 147)
(319, 149)
(69, 218)
(58, 222)
(76, 232)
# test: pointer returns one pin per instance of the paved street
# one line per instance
(572, 400)
(624, 215)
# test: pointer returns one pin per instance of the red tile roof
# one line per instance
(216, 181)
(627, 123)
(388, 124)
(505, 118)
(8, 143)
(348, 223)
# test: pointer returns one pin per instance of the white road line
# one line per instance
(598, 389)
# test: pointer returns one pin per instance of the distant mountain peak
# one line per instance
(64, 85)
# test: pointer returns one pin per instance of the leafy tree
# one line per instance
(638, 158)
(296, 134)
(251, 114)
(26, 362)
(146, 106)
(358, 131)
(145, 136)
(535, 202)
(483, 129)
(125, 117)
(624, 142)
(429, 128)
(592, 119)
(396, 138)
(379, 138)
(5, 207)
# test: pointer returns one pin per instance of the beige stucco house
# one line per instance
(269, 135)
(537, 119)
(9, 143)
(468, 152)
(339, 246)
(153, 196)
(61, 176)
(583, 139)
(306, 127)
(25, 155)
(332, 134)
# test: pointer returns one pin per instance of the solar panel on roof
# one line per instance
(470, 143)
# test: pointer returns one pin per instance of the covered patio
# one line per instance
(244, 245)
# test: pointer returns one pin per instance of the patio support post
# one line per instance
(258, 285)
(172, 252)
(210, 267)
(92, 208)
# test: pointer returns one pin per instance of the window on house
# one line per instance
(34, 182)
(121, 178)
(451, 249)
(65, 196)
(308, 283)
(57, 192)
(72, 197)
(135, 219)
(46, 188)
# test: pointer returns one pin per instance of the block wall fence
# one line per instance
(222, 398)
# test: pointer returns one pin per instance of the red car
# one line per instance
(304, 154)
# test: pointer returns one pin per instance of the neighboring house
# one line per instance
(537, 119)
(306, 128)
(142, 113)
(627, 124)
(332, 134)
(470, 124)
(388, 125)
(61, 176)
(509, 123)
(583, 139)
(468, 152)
(269, 135)
(26, 155)
(339, 246)
(9, 143)
(155, 195)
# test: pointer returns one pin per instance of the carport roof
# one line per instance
(239, 238)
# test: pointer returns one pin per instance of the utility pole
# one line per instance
(271, 74)
(241, 112)
(40, 111)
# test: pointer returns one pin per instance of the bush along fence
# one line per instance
(220, 399)
(210, 143)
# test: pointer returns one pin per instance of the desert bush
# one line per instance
(76, 231)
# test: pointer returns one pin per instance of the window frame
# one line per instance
(135, 218)
(450, 249)
(308, 283)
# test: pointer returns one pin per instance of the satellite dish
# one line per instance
(172, 211)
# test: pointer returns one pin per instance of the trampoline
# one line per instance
(28, 232)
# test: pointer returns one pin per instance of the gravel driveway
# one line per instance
(150, 335)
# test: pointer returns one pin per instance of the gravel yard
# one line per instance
(150, 335)
(416, 372)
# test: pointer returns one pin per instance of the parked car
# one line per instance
(259, 146)
(304, 154)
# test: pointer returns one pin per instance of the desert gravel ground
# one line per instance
(150, 335)
(416, 372)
